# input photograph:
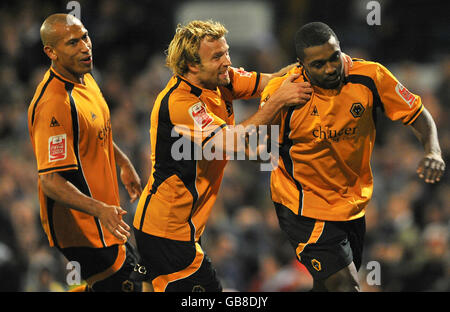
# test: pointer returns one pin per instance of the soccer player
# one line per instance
(324, 181)
(70, 129)
(177, 200)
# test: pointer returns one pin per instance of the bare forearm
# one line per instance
(425, 130)
(128, 174)
(121, 158)
(64, 192)
(266, 114)
(235, 139)
(289, 94)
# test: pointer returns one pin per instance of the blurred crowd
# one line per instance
(407, 220)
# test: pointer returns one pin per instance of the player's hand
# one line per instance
(111, 217)
(347, 63)
(431, 168)
(293, 93)
(131, 181)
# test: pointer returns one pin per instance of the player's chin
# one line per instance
(224, 81)
(85, 69)
(332, 84)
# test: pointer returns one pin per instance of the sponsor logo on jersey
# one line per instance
(103, 133)
(334, 134)
(57, 147)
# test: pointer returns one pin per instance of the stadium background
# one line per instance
(407, 221)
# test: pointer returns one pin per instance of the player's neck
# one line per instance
(192, 78)
(68, 74)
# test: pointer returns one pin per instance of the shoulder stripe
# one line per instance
(162, 147)
(194, 90)
(77, 177)
(286, 157)
(165, 166)
(41, 94)
(370, 84)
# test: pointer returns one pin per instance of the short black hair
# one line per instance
(310, 35)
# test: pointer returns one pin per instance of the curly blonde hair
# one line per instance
(183, 49)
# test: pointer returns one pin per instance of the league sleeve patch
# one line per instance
(57, 147)
(243, 72)
(200, 116)
(407, 96)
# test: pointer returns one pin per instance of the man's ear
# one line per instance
(50, 53)
(194, 68)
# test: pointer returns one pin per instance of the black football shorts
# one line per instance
(323, 247)
(106, 269)
(175, 266)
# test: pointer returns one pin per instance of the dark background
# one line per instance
(407, 220)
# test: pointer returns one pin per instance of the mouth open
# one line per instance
(224, 75)
(87, 60)
(333, 78)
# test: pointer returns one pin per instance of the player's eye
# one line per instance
(335, 57)
(317, 65)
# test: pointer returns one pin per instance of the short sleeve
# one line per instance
(52, 136)
(398, 102)
(244, 85)
(192, 118)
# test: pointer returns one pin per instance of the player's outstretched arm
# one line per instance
(432, 166)
(232, 138)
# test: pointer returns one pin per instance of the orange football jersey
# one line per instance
(325, 146)
(181, 191)
(70, 130)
